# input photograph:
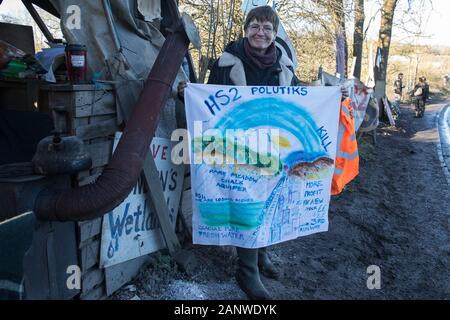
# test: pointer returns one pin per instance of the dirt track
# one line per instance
(394, 215)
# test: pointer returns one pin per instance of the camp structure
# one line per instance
(83, 201)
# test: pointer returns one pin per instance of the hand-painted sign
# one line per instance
(132, 229)
(262, 159)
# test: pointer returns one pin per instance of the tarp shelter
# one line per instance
(122, 38)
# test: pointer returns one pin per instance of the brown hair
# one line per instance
(262, 14)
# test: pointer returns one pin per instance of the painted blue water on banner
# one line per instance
(275, 113)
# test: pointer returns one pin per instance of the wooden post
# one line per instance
(151, 176)
(388, 111)
(185, 259)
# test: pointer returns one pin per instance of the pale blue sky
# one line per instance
(439, 23)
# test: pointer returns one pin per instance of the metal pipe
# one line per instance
(39, 21)
(112, 29)
(120, 176)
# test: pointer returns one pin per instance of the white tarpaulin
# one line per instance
(150, 10)
(261, 163)
(121, 49)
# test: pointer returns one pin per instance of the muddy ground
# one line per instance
(395, 215)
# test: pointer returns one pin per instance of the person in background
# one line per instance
(426, 93)
(418, 94)
(398, 90)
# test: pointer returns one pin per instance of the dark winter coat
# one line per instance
(234, 68)
(398, 86)
(426, 91)
(419, 91)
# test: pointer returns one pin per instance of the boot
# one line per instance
(247, 275)
(266, 267)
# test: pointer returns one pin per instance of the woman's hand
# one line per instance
(181, 86)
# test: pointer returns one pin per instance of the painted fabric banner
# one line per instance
(262, 160)
(360, 97)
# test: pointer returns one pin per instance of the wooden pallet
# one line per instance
(88, 112)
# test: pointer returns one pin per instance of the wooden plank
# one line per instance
(186, 208)
(100, 118)
(86, 105)
(100, 152)
(90, 98)
(45, 263)
(88, 180)
(118, 275)
(79, 122)
(88, 230)
(87, 176)
(83, 175)
(156, 193)
(95, 130)
(62, 101)
(98, 293)
(66, 87)
(61, 121)
(166, 124)
(91, 279)
(180, 114)
(187, 183)
(388, 112)
(90, 255)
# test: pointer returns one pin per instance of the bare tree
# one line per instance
(25, 18)
(358, 36)
(219, 22)
(314, 27)
(387, 17)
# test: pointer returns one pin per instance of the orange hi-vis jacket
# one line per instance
(347, 157)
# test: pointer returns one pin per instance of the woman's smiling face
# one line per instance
(260, 35)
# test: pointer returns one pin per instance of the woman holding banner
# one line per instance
(254, 61)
